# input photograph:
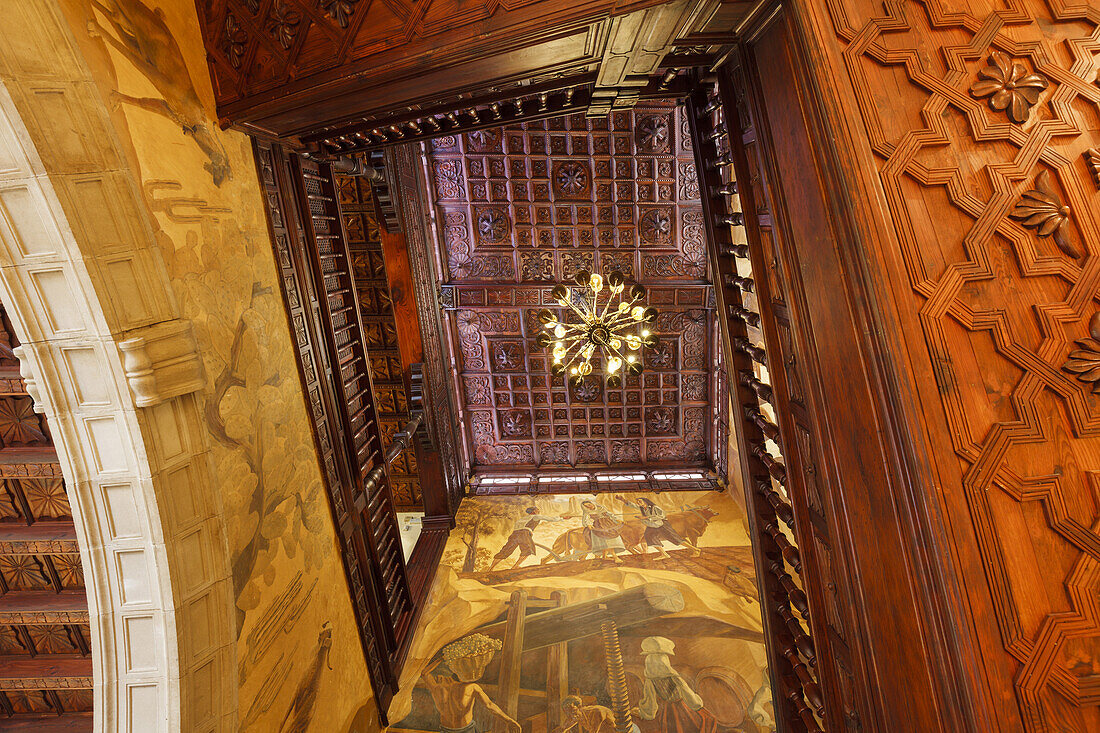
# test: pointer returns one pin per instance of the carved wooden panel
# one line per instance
(405, 166)
(290, 67)
(43, 607)
(304, 306)
(380, 332)
(522, 207)
(969, 178)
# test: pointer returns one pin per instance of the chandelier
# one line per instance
(611, 324)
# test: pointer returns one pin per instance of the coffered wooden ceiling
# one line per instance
(45, 663)
(521, 208)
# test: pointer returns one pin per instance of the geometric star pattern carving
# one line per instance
(982, 288)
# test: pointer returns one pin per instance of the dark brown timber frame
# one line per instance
(319, 292)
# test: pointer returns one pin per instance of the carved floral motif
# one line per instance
(493, 226)
(1092, 160)
(19, 425)
(1084, 362)
(339, 10)
(572, 179)
(1042, 209)
(652, 134)
(1009, 86)
(516, 424)
(660, 420)
(656, 227)
(448, 179)
(283, 24)
(556, 452)
(589, 390)
(482, 140)
(509, 356)
(537, 265)
(235, 40)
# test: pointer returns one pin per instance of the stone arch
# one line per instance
(115, 369)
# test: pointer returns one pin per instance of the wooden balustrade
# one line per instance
(791, 650)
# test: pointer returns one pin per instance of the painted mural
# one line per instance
(591, 614)
(295, 625)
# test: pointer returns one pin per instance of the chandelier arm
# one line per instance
(569, 304)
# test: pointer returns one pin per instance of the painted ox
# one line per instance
(690, 524)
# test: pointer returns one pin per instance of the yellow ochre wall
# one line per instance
(299, 662)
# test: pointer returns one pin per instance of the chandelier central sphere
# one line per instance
(613, 323)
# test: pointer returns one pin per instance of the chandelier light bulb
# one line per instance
(597, 324)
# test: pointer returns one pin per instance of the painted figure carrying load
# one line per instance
(523, 537)
(658, 530)
(455, 694)
(602, 530)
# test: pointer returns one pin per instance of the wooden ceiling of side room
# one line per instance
(295, 69)
(45, 654)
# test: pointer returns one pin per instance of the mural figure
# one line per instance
(299, 715)
(584, 620)
(658, 529)
(602, 530)
(689, 525)
(149, 45)
(522, 537)
(581, 718)
(456, 694)
(666, 696)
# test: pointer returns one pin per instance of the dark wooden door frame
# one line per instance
(853, 550)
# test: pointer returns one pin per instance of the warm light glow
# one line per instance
(597, 322)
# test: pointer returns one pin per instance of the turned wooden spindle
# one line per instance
(800, 639)
(749, 317)
(790, 552)
(767, 427)
(778, 503)
(754, 352)
(737, 281)
(810, 689)
(763, 391)
(735, 250)
(776, 469)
